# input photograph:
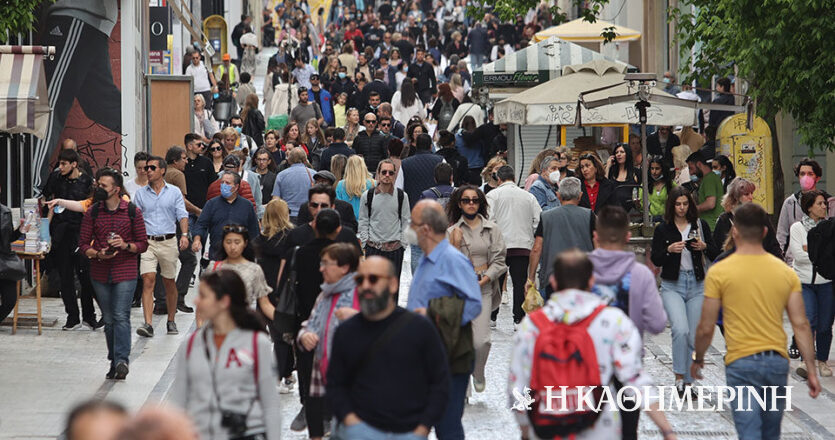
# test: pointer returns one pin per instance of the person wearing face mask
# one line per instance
(443, 280)
(809, 173)
(218, 212)
(723, 168)
(710, 189)
(365, 392)
(544, 188)
(112, 235)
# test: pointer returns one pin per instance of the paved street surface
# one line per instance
(44, 376)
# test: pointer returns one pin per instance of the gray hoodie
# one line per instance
(234, 378)
(645, 307)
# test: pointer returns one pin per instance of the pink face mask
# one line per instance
(807, 183)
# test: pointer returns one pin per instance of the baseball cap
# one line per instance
(324, 174)
(314, 76)
(227, 57)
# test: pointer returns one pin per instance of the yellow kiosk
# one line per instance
(750, 152)
(215, 29)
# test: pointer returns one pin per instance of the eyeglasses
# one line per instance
(387, 172)
(372, 278)
(470, 201)
(150, 167)
(318, 205)
(215, 149)
(235, 228)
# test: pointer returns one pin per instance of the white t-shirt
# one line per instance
(131, 187)
(201, 77)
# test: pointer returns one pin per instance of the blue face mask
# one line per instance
(694, 178)
(225, 190)
(342, 75)
(718, 172)
(238, 129)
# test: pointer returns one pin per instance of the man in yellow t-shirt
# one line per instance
(753, 288)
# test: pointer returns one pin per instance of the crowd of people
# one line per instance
(295, 235)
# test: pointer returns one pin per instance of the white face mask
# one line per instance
(411, 236)
(555, 177)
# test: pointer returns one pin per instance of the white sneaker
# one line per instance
(492, 324)
(284, 388)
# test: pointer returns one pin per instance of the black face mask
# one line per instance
(100, 195)
(469, 216)
(375, 304)
(495, 176)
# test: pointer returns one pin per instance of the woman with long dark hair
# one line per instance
(405, 103)
(661, 183)
(226, 377)
(482, 242)
(238, 256)
(598, 191)
(253, 120)
(621, 171)
(680, 247)
(725, 169)
(216, 153)
(445, 106)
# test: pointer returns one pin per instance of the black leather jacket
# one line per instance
(670, 262)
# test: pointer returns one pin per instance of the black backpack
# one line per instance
(94, 211)
(821, 249)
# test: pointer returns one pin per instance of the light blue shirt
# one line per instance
(446, 272)
(161, 211)
(292, 184)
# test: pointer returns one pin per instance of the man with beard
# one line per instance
(381, 355)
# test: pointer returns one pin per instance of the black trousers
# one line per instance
(317, 412)
(8, 297)
(396, 258)
(629, 419)
(518, 268)
(304, 365)
(284, 357)
(71, 264)
(81, 70)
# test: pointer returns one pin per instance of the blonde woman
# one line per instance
(352, 125)
(357, 181)
(488, 174)
(338, 164)
(270, 247)
(204, 123)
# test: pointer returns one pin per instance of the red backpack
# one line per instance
(564, 355)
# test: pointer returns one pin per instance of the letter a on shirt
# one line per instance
(233, 356)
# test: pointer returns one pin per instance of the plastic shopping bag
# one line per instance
(533, 300)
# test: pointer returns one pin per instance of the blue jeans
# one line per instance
(818, 299)
(758, 370)
(417, 253)
(683, 303)
(364, 431)
(114, 300)
(450, 426)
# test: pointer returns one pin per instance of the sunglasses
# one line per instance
(235, 228)
(387, 172)
(318, 205)
(237, 125)
(470, 201)
(370, 121)
(385, 124)
(215, 149)
(372, 278)
(150, 167)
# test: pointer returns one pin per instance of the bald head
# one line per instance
(159, 424)
(379, 265)
(431, 213)
(572, 270)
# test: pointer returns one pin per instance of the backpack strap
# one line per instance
(368, 201)
(190, 343)
(400, 205)
(436, 192)
(585, 322)
(255, 364)
(217, 263)
(541, 321)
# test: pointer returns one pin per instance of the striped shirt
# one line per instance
(94, 234)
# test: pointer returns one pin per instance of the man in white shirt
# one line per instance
(204, 80)
(302, 73)
(140, 159)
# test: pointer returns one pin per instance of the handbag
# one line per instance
(12, 267)
(285, 318)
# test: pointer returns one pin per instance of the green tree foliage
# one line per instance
(17, 16)
(784, 48)
(507, 10)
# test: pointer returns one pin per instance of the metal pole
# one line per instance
(645, 173)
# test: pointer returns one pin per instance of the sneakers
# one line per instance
(71, 325)
(801, 371)
(145, 330)
(794, 352)
(492, 323)
(479, 385)
(93, 325)
(121, 371)
(184, 308)
(300, 422)
(285, 387)
(824, 369)
(111, 373)
(137, 303)
(172, 328)
(680, 387)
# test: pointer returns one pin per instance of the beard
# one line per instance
(376, 303)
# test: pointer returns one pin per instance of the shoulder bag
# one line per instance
(285, 318)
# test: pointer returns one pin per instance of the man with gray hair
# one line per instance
(544, 188)
(444, 278)
(562, 228)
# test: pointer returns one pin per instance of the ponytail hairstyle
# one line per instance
(225, 282)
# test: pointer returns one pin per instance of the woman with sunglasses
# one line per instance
(216, 153)
(226, 377)
(337, 302)
(235, 241)
(482, 242)
(598, 191)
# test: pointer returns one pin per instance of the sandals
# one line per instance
(794, 353)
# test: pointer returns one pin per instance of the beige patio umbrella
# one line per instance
(581, 31)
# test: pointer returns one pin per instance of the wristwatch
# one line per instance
(700, 361)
